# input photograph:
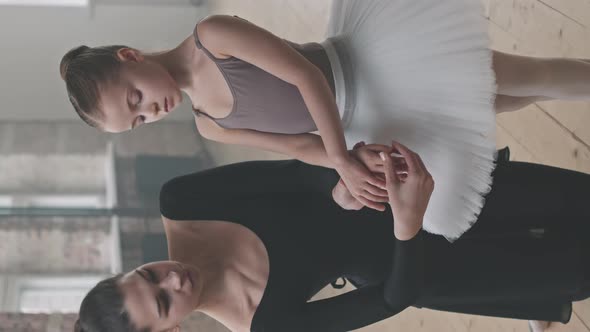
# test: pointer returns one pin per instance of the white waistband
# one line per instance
(339, 82)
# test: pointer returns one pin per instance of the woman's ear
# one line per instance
(129, 54)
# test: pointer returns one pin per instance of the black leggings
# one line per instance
(541, 201)
(532, 235)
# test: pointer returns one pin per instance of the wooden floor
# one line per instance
(553, 133)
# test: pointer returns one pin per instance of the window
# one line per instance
(30, 181)
(70, 3)
(54, 201)
(55, 181)
(39, 294)
(33, 301)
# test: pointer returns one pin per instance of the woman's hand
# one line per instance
(364, 186)
(408, 196)
(369, 156)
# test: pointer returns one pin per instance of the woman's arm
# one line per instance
(408, 196)
(206, 195)
(227, 193)
(363, 306)
(227, 36)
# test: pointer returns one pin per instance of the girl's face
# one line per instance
(144, 92)
(158, 296)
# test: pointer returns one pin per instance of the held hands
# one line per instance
(408, 196)
(408, 183)
(369, 156)
(364, 186)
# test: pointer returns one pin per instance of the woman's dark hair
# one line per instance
(84, 69)
(103, 310)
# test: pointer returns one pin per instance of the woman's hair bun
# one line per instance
(78, 326)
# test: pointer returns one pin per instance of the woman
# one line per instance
(253, 242)
(419, 71)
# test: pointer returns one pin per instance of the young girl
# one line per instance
(418, 71)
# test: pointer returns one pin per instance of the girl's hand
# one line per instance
(341, 194)
(408, 196)
(365, 187)
(342, 197)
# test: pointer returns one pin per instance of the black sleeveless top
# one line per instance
(498, 268)
(310, 242)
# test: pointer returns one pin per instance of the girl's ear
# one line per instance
(129, 54)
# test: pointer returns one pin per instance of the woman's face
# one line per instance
(144, 92)
(158, 296)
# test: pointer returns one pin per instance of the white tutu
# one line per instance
(419, 72)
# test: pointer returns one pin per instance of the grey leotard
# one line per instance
(263, 101)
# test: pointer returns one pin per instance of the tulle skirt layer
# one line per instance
(419, 72)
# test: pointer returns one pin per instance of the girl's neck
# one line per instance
(179, 62)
